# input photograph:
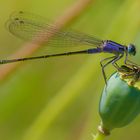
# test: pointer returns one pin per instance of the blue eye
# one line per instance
(131, 49)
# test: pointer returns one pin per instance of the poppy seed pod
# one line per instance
(119, 104)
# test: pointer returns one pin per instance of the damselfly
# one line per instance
(32, 27)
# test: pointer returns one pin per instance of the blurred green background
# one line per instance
(58, 98)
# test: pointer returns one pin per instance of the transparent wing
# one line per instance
(32, 27)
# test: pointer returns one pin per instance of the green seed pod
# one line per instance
(119, 104)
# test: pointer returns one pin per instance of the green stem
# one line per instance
(99, 136)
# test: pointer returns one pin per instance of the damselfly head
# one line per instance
(131, 49)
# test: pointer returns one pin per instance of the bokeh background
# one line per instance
(58, 98)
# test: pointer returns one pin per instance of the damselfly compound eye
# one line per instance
(131, 49)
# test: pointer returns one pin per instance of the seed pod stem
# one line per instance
(99, 136)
